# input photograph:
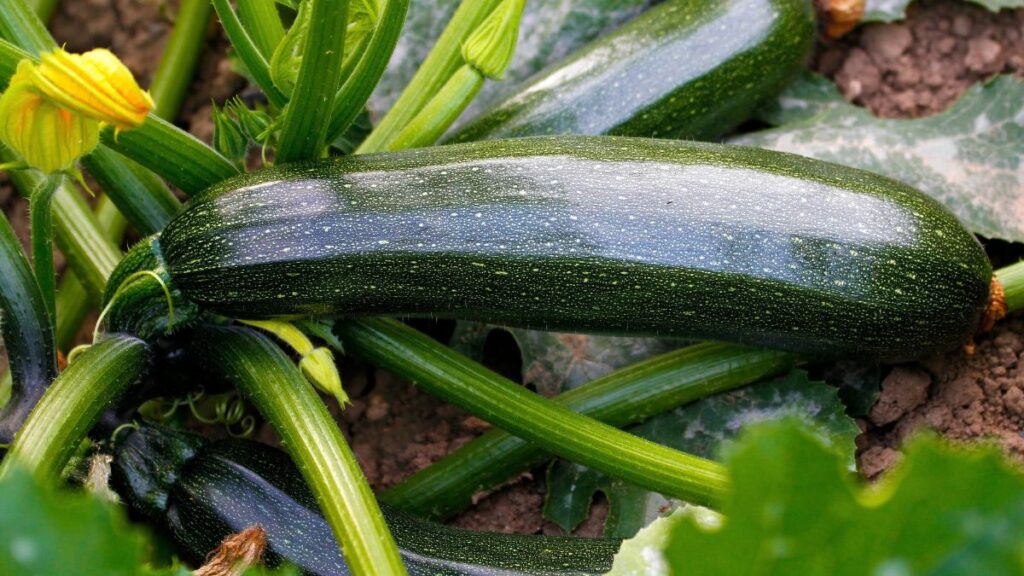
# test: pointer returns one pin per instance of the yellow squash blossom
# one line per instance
(95, 84)
(48, 137)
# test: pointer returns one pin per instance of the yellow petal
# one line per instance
(95, 84)
(48, 137)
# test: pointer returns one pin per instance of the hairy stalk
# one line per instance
(73, 403)
(303, 129)
(270, 380)
(445, 373)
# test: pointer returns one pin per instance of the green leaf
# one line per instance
(969, 158)
(550, 30)
(45, 531)
(795, 509)
(892, 10)
(287, 57)
(859, 385)
(703, 428)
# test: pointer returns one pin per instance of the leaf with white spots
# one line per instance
(553, 362)
(703, 428)
(794, 509)
(807, 96)
(892, 10)
(970, 158)
(550, 30)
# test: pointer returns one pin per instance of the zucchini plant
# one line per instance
(341, 231)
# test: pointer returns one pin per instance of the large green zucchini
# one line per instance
(691, 69)
(604, 234)
(202, 492)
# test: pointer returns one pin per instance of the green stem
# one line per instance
(73, 403)
(44, 9)
(174, 154)
(303, 129)
(351, 99)
(269, 378)
(141, 196)
(180, 56)
(444, 59)
(444, 373)
(1012, 279)
(85, 245)
(442, 110)
(21, 26)
(262, 21)
(40, 210)
(622, 397)
(73, 300)
(248, 53)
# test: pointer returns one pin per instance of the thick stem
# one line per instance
(444, 59)
(304, 129)
(622, 397)
(444, 373)
(268, 378)
(351, 99)
(1012, 278)
(263, 23)
(44, 9)
(442, 110)
(73, 300)
(185, 44)
(73, 403)
(174, 154)
(248, 52)
(40, 210)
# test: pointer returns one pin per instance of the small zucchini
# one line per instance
(688, 69)
(203, 492)
(597, 234)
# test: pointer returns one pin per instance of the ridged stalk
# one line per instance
(441, 63)
(270, 380)
(304, 126)
(448, 375)
(73, 403)
(619, 398)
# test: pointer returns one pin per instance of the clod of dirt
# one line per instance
(922, 65)
(966, 397)
(902, 390)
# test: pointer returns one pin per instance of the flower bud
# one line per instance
(48, 137)
(95, 84)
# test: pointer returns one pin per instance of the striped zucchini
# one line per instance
(599, 234)
(203, 492)
(691, 69)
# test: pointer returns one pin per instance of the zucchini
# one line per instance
(202, 492)
(26, 330)
(598, 234)
(688, 69)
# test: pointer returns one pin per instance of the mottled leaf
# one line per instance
(859, 385)
(550, 29)
(703, 428)
(892, 10)
(969, 158)
(807, 96)
(557, 361)
(794, 509)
